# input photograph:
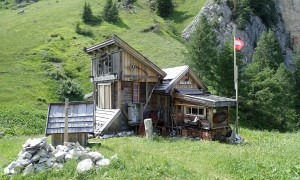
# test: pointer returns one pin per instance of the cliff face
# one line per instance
(290, 10)
(221, 14)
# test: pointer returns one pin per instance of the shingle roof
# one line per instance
(80, 118)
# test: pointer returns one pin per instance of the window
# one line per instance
(105, 65)
(195, 111)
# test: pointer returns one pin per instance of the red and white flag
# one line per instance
(238, 44)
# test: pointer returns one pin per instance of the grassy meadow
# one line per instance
(266, 155)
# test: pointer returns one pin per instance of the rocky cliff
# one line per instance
(220, 14)
(290, 10)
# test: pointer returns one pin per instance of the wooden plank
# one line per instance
(119, 96)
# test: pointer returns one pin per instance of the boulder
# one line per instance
(95, 156)
(85, 165)
(103, 162)
(10, 167)
(25, 155)
(59, 156)
(35, 158)
(42, 153)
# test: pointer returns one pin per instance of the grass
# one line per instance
(266, 155)
(41, 46)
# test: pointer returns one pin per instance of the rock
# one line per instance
(43, 160)
(23, 162)
(49, 148)
(49, 163)
(28, 169)
(69, 157)
(35, 143)
(58, 165)
(103, 162)
(25, 155)
(85, 165)
(35, 158)
(40, 167)
(95, 156)
(61, 148)
(59, 156)
(10, 167)
(42, 153)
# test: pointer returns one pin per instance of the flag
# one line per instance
(238, 44)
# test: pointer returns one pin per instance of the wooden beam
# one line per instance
(66, 129)
(119, 86)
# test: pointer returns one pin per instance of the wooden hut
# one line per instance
(80, 122)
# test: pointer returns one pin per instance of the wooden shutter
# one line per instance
(104, 96)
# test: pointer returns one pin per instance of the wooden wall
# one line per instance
(186, 82)
(135, 70)
(58, 139)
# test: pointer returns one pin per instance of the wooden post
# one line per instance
(119, 85)
(66, 129)
(148, 128)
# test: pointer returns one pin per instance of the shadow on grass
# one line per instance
(121, 24)
(179, 16)
(95, 21)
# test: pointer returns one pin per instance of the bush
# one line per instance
(164, 8)
(70, 89)
(84, 32)
(110, 12)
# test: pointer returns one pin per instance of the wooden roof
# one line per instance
(119, 42)
(174, 75)
(80, 118)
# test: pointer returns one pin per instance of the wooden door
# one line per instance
(104, 96)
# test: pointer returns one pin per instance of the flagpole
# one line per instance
(236, 84)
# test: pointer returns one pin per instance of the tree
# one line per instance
(164, 8)
(87, 15)
(268, 52)
(202, 53)
(268, 88)
(110, 12)
(296, 75)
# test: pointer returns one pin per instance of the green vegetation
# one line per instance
(202, 52)
(41, 47)
(266, 155)
(269, 88)
(87, 14)
(164, 8)
(110, 12)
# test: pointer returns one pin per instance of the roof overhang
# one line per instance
(206, 100)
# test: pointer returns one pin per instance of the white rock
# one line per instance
(85, 165)
(35, 143)
(35, 158)
(95, 156)
(69, 157)
(28, 169)
(59, 156)
(23, 162)
(103, 162)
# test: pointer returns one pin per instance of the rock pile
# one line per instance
(119, 134)
(36, 155)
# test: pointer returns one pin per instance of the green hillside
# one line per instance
(41, 44)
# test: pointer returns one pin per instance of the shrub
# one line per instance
(164, 8)
(110, 12)
(84, 32)
(70, 89)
